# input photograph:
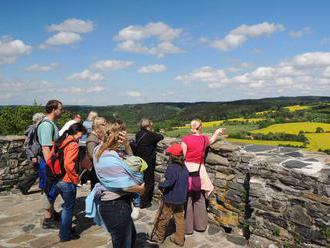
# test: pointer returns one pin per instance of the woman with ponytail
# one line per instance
(67, 187)
(110, 201)
(194, 147)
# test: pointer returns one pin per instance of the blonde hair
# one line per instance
(99, 125)
(92, 115)
(111, 138)
(37, 117)
(195, 125)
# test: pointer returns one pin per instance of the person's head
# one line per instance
(37, 117)
(175, 152)
(196, 126)
(76, 117)
(76, 130)
(99, 126)
(54, 108)
(145, 124)
(112, 138)
(92, 115)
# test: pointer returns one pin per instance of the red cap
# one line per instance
(175, 150)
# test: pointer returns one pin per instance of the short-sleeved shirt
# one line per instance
(196, 146)
(47, 133)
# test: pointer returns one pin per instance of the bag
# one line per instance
(194, 179)
(55, 164)
(134, 144)
(31, 144)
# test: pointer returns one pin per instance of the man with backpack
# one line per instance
(47, 133)
(32, 149)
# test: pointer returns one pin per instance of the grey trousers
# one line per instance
(196, 214)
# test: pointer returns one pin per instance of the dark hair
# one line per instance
(52, 105)
(73, 129)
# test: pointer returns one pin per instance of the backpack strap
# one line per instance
(44, 120)
(140, 139)
(199, 167)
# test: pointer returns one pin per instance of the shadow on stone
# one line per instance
(82, 223)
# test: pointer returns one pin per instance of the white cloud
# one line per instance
(300, 33)
(326, 72)
(24, 91)
(152, 68)
(134, 93)
(41, 68)
(111, 64)
(11, 49)
(132, 39)
(311, 60)
(307, 73)
(204, 74)
(159, 30)
(62, 38)
(67, 32)
(241, 34)
(72, 26)
(86, 75)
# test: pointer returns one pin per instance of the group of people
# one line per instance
(122, 175)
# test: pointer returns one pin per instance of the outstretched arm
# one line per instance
(216, 134)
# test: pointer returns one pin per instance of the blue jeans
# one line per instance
(116, 215)
(68, 192)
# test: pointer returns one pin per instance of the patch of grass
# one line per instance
(230, 129)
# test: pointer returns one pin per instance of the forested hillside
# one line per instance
(14, 119)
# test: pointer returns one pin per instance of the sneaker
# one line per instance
(23, 191)
(50, 224)
(154, 241)
(74, 236)
(135, 213)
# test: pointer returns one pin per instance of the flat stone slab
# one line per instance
(290, 164)
(258, 148)
(21, 216)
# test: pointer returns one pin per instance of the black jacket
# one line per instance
(146, 148)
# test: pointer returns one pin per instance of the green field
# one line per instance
(230, 129)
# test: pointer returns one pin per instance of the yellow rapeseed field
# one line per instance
(266, 142)
(318, 141)
(294, 128)
(296, 107)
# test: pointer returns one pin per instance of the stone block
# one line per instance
(297, 214)
(224, 146)
(215, 159)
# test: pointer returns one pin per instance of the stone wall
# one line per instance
(272, 197)
(13, 164)
(264, 196)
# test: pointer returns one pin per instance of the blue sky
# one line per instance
(118, 52)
